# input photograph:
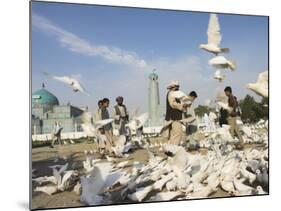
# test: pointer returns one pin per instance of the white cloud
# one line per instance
(192, 72)
(76, 44)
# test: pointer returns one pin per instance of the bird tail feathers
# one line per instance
(232, 65)
(225, 50)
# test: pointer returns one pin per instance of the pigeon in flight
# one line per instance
(74, 83)
(219, 76)
(220, 62)
(90, 127)
(214, 37)
(261, 86)
(137, 122)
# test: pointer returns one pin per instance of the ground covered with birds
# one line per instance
(209, 165)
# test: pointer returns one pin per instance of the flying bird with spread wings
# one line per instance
(220, 62)
(74, 83)
(90, 127)
(214, 37)
(261, 86)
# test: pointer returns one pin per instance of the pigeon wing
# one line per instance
(87, 117)
(57, 176)
(63, 168)
(64, 79)
(80, 87)
(214, 35)
(178, 94)
(263, 77)
(142, 119)
(101, 123)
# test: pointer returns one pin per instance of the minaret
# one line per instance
(153, 100)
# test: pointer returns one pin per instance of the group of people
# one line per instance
(121, 118)
(177, 110)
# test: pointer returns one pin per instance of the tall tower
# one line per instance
(153, 99)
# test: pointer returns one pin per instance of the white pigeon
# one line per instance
(100, 123)
(260, 191)
(220, 62)
(261, 86)
(166, 196)
(50, 190)
(64, 179)
(140, 193)
(158, 185)
(137, 122)
(214, 37)
(74, 83)
(219, 76)
(180, 95)
(91, 187)
(67, 180)
(246, 174)
(225, 106)
(77, 188)
(247, 130)
(88, 164)
(120, 146)
(203, 192)
(227, 185)
(238, 184)
(45, 179)
(212, 116)
(89, 126)
(99, 180)
(171, 185)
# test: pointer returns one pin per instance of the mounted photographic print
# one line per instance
(137, 105)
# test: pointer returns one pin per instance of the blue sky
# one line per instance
(112, 50)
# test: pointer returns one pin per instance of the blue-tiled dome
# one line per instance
(44, 97)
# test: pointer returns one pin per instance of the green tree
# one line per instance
(201, 110)
(253, 111)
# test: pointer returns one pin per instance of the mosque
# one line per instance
(46, 110)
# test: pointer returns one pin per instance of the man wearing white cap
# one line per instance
(174, 113)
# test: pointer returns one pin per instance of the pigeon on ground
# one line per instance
(50, 190)
(260, 191)
(166, 196)
(140, 193)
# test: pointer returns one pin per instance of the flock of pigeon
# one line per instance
(170, 172)
(219, 62)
